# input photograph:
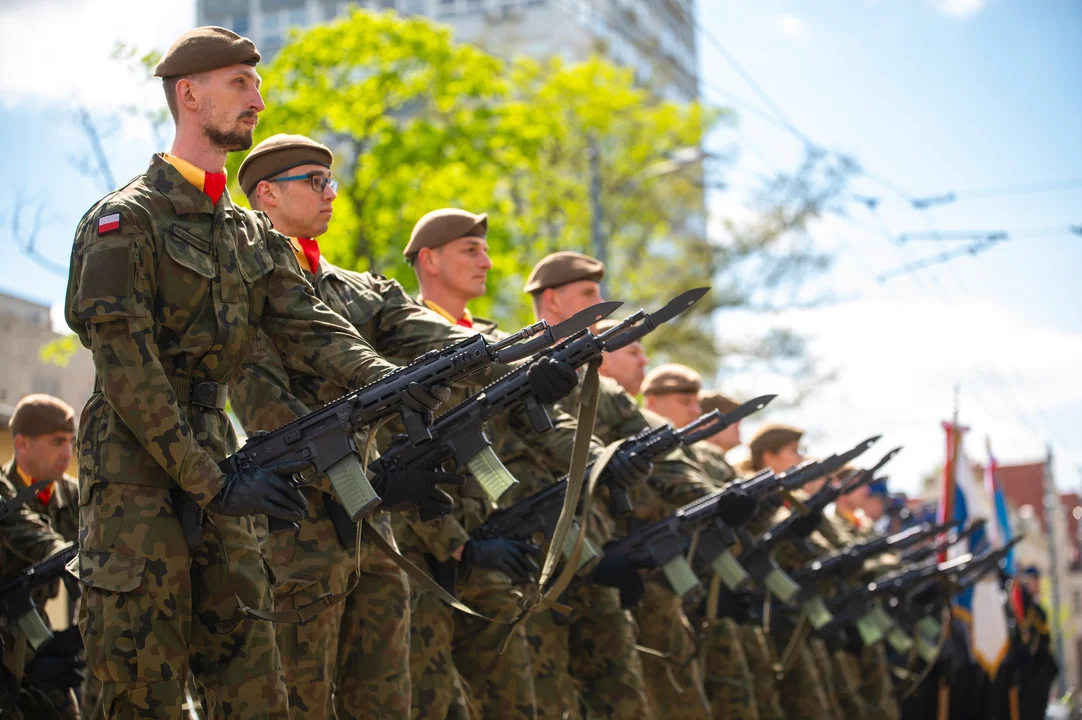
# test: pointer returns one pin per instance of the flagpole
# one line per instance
(1051, 510)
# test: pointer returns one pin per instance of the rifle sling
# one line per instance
(24, 496)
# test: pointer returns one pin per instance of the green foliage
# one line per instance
(59, 352)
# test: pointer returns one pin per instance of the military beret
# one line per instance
(277, 154)
(672, 378)
(562, 268)
(773, 437)
(41, 415)
(206, 48)
(711, 400)
(440, 227)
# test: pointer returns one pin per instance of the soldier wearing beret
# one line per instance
(40, 519)
(449, 254)
(627, 366)
(561, 284)
(360, 647)
(729, 438)
(169, 283)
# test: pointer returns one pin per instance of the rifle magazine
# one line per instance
(781, 585)
(731, 572)
(491, 474)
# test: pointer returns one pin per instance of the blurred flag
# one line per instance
(981, 607)
(999, 525)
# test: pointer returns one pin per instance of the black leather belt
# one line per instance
(194, 391)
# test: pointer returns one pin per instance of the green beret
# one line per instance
(440, 227)
(563, 268)
(277, 154)
(206, 48)
(711, 400)
(41, 415)
(672, 378)
(773, 437)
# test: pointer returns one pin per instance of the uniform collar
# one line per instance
(182, 193)
(466, 317)
(44, 496)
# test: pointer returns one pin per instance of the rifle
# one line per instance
(324, 437)
(9, 505)
(458, 436)
(757, 555)
(17, 603)
(715, 539)
(539, 512)
(920, 554)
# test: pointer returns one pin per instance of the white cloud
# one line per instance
(960, 9)
(790, 25)
(74, 65)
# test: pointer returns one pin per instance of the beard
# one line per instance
(233, 139)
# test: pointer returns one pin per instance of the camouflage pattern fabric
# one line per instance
(823, 664)
(846, 670)
(803, 691)
(727, 676)
(25, 538)
(764, 682)
(179, 289)
(438, 690)
(877, 684)
(62, 510)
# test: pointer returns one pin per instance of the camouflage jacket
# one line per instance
(712, 460)
(62, 508)
(25, 538)
(165, 287)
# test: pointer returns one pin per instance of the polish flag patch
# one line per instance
(108, 223)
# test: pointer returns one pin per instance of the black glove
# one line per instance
(399, 489)
(628, 469)
(57, 663)
(738, 508)
(425, 401)
(622, 573)
(551, 380)
(514, 558)
(263, 491)
(805, 525)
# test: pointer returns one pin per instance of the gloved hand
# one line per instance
(514, 558)
(622, 573)
(263, 491)
(399, 489)
(425, 401)
(628, 469)
(738, 508)
(58, 663)
(805, 525)
(551, 380)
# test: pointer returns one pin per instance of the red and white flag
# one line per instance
(108, 223)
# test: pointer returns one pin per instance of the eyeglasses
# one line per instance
(318, 181)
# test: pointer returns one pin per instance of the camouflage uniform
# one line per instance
(25, 538)
(661, 623)
(727, 675)
(360, 647)
(176, 292)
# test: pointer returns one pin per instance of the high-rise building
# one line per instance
(656, 38)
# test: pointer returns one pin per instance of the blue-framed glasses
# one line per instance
(318, 181)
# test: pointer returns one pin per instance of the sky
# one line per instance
(928, 96)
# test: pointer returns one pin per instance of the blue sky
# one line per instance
(933, 96)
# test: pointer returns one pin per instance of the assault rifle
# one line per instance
(16, 595)
(324, 437)
(714, 540)
(539, 512)
(920, 554)
(9, 505)
(458, 437)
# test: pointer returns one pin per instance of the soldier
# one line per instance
(43, 428)
(43, 434)
(673, 390)
(449, 254)
(358, 648)
(729, 438)
(169, 283)
(561, 284)
(627, 366)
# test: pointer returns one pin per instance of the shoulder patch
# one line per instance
(108, 223)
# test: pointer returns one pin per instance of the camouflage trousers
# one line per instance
(353, 657)
(456, 671)
(825, 666)
(761, 666)
(727, 677)
(847, 686)
(802, 691)
(877, 684)
(151, 613)
(586, 665)
(674, 685)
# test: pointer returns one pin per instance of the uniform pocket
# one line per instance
(191, 252)
(255, 262)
